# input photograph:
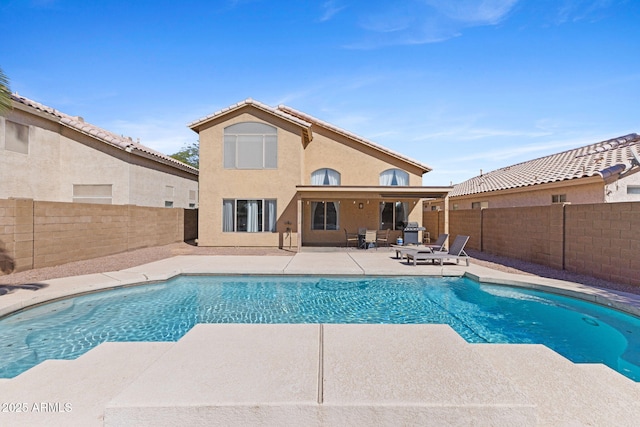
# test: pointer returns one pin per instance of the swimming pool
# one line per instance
(480, 313)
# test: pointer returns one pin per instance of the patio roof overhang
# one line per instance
(372, 192)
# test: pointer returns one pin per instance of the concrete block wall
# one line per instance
(532, 233)
(604, 241)
(43, 234)
(433, 221)
(600, 240)
(466, 223)
(16, 231)
(190, 224)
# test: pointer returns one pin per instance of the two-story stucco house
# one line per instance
(602, 172)
(47, 155)
(274, 176)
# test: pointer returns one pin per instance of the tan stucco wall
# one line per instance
(616, 191)
(218, 183)
(60, 157)
(357, 164)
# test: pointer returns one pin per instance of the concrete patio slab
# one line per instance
(231, 375)
(566, 391)
(323, 263)
(75, 392)
(428, 368)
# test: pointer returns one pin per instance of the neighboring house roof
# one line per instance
(306, 122)
(318, 122)
(127, 144)
(604, 159)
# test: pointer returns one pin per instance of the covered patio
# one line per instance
(325, 212)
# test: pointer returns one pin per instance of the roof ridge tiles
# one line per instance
(246, 102)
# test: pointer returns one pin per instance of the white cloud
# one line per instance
(330, 9)
(477, 12)
(427, 21)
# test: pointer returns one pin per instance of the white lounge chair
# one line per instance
(456, 251)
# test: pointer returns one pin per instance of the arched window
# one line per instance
(250, 145)
(394, 177)
(325, 177)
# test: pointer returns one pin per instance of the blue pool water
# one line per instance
(480, 313)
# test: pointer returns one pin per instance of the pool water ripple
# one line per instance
(66, 329)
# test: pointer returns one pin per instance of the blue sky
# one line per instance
(459, 85)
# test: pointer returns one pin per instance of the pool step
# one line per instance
(584, 394)
(74, 392)
(321, 375)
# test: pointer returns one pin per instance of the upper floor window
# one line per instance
(325, 177)
(250, 145)
(16, 137)
(479, 205)
(558, 198)
(394, 177)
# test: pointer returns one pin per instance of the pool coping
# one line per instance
(216, 372)
(325, 264)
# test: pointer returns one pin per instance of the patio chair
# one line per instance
(456, 251)
(370, 239)
(351, 237)
(382, 237)
(439, 244)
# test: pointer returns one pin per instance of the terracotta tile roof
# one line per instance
(306, 121)
(603, 158)
(326, 125)
(121, 142)
(254, 103)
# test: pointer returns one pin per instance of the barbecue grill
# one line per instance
(410, 233)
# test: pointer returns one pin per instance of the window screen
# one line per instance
(16, 137)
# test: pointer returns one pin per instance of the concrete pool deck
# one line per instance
(317, 375)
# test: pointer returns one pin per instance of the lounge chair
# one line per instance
(401, 250)
(351, 237)
(456, 251)
(439, 244)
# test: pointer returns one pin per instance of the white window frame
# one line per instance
(267, 224)
(233, 139)
(325, 176)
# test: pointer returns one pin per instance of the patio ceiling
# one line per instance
(372, 192)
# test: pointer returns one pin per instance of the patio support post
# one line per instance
(446, 214)
(299, 224)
